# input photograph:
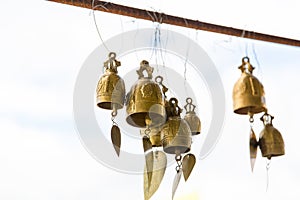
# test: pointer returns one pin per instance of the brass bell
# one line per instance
(191, 118)
(248, 93)
(270, 140)
(154, 135)
(176, 134)
(111, 87)
(145, 101)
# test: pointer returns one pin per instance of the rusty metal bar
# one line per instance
(178, 21)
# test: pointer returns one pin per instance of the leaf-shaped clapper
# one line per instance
(188, 163)
(116, 138)
(159, 168)
(253, 148)
(176, 182)
(148, 157)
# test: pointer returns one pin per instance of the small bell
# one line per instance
(270, 140)
(154, 136)
(248, 93)
(145, 100)
(111, 87)
(191, 118)
(176, 134)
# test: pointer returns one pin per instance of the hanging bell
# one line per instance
(145, 101)
(176, 134)
(248, 93)
(270, 140)
(191, 118)
(154, 136)
(111, 87)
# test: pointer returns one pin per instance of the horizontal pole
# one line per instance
(177, 21)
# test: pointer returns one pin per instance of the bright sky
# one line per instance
(43, 47)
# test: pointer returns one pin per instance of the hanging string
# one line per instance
(96, 25)
(185, 62)
(268, 177)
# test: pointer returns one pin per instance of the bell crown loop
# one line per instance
(112, 64)
(144, 66)
(159, 81)
(189, 107)
(175, 110)
(246, 65)
(267, 119)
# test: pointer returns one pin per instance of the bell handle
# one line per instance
(144, 66)
(112, 64)
(159, 80)
(267, 118)
(175, 109)
(189, 107)
(246, 63)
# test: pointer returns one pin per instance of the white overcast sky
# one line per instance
(43, 46)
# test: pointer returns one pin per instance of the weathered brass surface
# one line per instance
(116, 138)
(111, 87)
(270, 140)
(188, 163)
(145, 100)
(191, 117)
(159, 168)
(154, 136)
(176, 134)
(253, 148)
(248, 93)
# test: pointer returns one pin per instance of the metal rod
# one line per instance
(178, 21)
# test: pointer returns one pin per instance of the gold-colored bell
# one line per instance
(191, 117)
(154, 135)
(248, 93)
(145, 101)
(111, 87)
(176, 135)
(270, 140)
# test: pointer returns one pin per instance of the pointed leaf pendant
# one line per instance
(116, 138)
(159, 168)
(253, 148)
(176, 182)
(188, 164)
(149, 165)
(146, 143)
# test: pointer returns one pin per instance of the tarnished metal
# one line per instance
(145, 100)
(253, 148)
(116, 138)
(159, 168)
(191, 117)
(176, 182)
(270, 140)
(188, 163)
(176, 134)
(248, 93)
(111, 87)
(154, 136)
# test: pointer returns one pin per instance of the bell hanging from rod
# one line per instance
(248, 93)
(270, 140)
(191, 117)
(111, 95)
(144, 102)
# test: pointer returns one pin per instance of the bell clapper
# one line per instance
(115, 131)
(268, 177)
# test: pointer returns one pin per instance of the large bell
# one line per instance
(145, 102)
(270, 140)
(248, 93)
(111, 87)
(176, 135)
(191, 117)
